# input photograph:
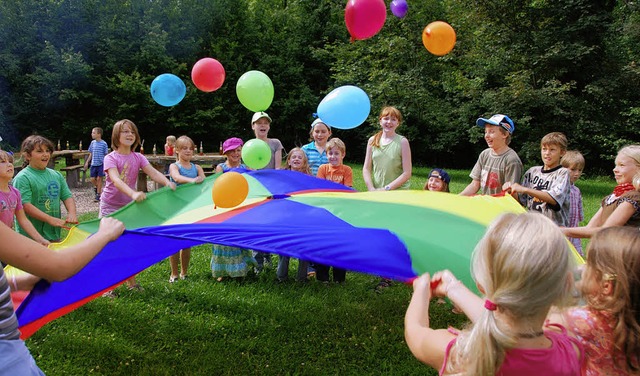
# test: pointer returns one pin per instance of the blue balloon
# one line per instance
(345, 107)
(168, 89)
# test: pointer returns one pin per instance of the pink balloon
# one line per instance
(365, 18)
(208, 74)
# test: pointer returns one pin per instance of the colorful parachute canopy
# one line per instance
(395, 234)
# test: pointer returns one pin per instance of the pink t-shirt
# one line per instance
(128, 166)
(558, 360)
(9, 203)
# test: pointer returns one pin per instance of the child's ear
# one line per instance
(607, 287)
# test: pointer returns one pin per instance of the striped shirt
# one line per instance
(315, 157)
(8, 320)
(576, 214)
(98, 150)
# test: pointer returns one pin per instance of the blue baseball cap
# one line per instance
(498, 120)
(440, 174)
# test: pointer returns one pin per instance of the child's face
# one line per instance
(321, 134)
(335, 156)
(495, 138)
(94, 134)
(551, 155)
(625, 169)
(435, 184)
(185, 152)
(296, 160)
(389, 123)
(6, 170)
(170, 141)
(39, 157)
(127, 136)
(574, 173)
(261, 127)
(235, 156)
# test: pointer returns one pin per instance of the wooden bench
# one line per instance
(74, 180)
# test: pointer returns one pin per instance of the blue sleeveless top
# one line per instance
(191, 172)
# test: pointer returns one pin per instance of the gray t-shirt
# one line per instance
(493, 170)
(8, 320)
(275, 145)
(557, 184)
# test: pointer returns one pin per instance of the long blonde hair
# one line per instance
(305, 161)
(613, 254)
(386, 111)
(523, 264)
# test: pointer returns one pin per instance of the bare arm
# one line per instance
(158, 177)
(34, 258)
(366, 168)
(471, 189)
(27, 226)
(70, 204)
(38, 214)
(540, 195)
(278, 159)
(87, 160)
(449, 286)
(123, 187)
(426, 344)
(619, 217)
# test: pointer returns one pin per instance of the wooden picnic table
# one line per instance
(74, 169)
(161, 162)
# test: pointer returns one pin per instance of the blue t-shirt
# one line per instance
(98, 150)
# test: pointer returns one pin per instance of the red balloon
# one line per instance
(208, 74)
(365, 18)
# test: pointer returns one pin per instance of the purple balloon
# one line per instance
(399, 8)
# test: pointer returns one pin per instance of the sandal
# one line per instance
(135, 287)
(183, 276)
(172, 278)
(383, 285)
(110, 294)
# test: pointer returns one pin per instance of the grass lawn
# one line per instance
(257, 326)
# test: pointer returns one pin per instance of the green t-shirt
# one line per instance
(44, 189)
(387, 163)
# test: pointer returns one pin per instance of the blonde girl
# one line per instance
(316, 150)
(387, 163)
(609, 325)
(522, 266)
(121, 167)
(620, 208)
(181, 172)
(297, 161)
(438, 181)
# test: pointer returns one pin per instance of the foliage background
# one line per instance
(69, 65)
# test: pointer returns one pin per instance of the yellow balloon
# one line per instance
(439, 38)
(229, 190)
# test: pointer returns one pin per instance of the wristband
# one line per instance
(387, 188)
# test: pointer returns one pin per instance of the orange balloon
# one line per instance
(229, 190)
(439, 38)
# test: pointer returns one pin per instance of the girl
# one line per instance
(261, 123)
(42, 189)
(622, 207)
(34, 258)
(296, 161)
(182, 172)
(506, 336)
(231, 261)
(170, 145)
(438, 181)
(316, 150)
(387, 163)
(121, 167)
(609, 326)
(11, 201)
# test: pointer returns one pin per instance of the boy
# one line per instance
(574, 161)
(498, 163)
(341, 174)
(97, 150)
(546, 188)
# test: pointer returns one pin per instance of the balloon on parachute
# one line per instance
(208, 74)
(256, 154)
(439, 38)
(364, 18)
(229, 190)
(168, 89)
(255, 91)
(345, 107)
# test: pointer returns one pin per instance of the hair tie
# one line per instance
(315, 115)
(491, 306)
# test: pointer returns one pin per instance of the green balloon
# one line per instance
(256, 154)
(255, 91)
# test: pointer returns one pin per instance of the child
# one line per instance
(498, 163)
(261, 123)
(296, 161)
(11, 201)
(609, 325)
(232, 149)
(316, 149)
(181, 172)
(341, 174)
(169, 146)
(97, 151)
(231, 261)
(574, 162)
(122, 166)
(546, 188)
(387, 163)
(506, 336)
(438, 181)
(622, 206)
(34, 258)
(42, 189)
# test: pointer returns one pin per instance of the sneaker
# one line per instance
(172, 278)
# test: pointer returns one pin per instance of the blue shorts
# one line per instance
(15, 359)
(95, 171)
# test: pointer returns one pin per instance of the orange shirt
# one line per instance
(338, 174)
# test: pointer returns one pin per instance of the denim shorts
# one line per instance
(15, 359)
(95, 171)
